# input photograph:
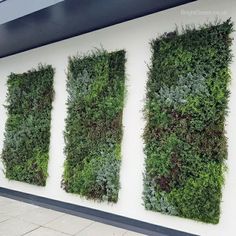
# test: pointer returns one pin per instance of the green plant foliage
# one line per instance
(185, 143)
(94, 125)
(26, 145)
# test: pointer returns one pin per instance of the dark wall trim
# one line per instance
(72, 18)
(92, 214)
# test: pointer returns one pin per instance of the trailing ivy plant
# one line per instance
(186, 105)
(94, 124)
(26, 146)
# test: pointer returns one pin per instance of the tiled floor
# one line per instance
(18, 219)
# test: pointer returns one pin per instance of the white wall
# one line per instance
(133, 36)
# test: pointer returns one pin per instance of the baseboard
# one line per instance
(92, 214)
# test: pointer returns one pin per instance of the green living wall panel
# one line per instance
(26, 146)
(94, 125)
(185, 143)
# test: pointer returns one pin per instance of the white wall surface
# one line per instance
(133, 36)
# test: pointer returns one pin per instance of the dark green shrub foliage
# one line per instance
(26, 145)
(94, 125)
(185, 144)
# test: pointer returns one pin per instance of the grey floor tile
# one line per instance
(131, 233)
(45, 232)
(16, 208)
(98, 229)
(4, 217)
(5, 201)
(15, 227)
(40, 216)
(69, 224)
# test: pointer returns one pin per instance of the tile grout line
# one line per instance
(30, 231)
(15, 218)
(63, 214)
(86, 227)
(5, 220)
(48, 227)
(56, 230)
(40, 225)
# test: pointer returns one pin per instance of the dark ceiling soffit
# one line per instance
(72, 18)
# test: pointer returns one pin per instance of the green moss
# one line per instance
(185, 144)
(94, 125)
(26, 146)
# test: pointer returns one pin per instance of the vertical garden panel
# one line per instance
(185, 143)
(26, 146)
(94, 125)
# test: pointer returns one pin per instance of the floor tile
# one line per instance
(69, 224)
(45, 232)
(40, 216)
(15, 227)
(16, 208)
(131, 233)
(4, 217)
(5, 201)
(98, 229)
